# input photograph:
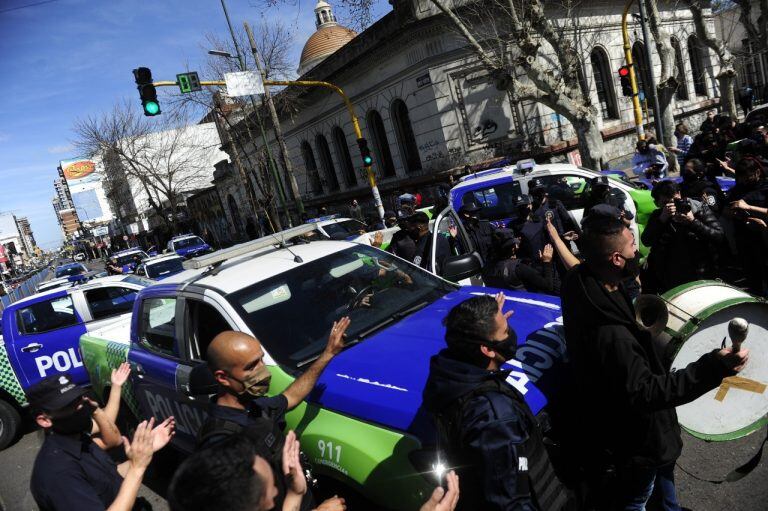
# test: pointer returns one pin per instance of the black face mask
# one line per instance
(631, 266)
(78, 422)
(507, 348)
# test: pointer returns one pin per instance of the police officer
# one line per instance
(508, 272)
(418, 225)
(480, 232)
(698, 186)
(600, 192)
(236, 362)
(484, 425)
(546, 207)
(72, 471)
(523, 211)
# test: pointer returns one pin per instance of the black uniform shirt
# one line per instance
(72, 473)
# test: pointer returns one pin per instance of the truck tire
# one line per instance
(10, 421)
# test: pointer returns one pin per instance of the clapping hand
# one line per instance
(442, 500)
(297, 483)
(120, 375)
(162, 433)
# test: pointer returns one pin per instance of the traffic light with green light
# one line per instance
(365, 152)
(147, 92)
(626, 81)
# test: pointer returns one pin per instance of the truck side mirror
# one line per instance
(460, 267)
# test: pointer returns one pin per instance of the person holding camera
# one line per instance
(683, 235)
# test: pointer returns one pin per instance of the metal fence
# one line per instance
(25, 289)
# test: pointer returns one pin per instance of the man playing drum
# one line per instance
(628, 430)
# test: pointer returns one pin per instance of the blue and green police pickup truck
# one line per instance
(363, 425)
(40, 336)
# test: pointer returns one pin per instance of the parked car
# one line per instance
(40, 336)
(160, 267)
(67, 270)
(189, 245)
(363, 426)
(129, 259)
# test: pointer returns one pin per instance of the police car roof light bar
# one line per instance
(269, 240)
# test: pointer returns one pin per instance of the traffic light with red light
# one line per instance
(626, 80)
(365, 152)
(147, 92)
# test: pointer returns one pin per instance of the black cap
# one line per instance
(470, 207)
(506, 238)
(54, 392)
(524, 200)
(389, 214)
(419, 218)
(599, 181)
(604, 210)
(535, 184)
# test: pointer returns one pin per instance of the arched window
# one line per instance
(682, 85)
(342, 155)
(641, 70)
(601, 70)
(311, 165)
(237, 223)
(405, 137)
(326, 161)
(697, 66)
(380, 143)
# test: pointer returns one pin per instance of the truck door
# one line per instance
(44, 340)
(461, 264)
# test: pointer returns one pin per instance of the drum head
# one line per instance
(738, 411)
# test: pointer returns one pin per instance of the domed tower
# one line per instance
(329, 37)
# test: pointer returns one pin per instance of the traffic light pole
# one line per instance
(633, 79)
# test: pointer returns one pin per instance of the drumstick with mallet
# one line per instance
(737, 331)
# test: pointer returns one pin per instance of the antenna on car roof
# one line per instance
(281, 242)
(221, 256)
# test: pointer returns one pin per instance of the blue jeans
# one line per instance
(636, 486)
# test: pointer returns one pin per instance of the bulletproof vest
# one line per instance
(535, 474)
(534, 237)
(503, 274)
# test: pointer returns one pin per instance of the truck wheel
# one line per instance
(10, 420)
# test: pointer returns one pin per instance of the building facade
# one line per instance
(426, 105)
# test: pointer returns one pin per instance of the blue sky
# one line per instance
(72, 58)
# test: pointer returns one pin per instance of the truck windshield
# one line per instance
(130, 258)
(72, 269)
(194, 241)
(292, 313)
(344, 229)
(166, 267)
(497, 201)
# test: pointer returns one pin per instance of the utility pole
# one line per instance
(637, 108)
(270, 160)
(285, 159)
(651, 76)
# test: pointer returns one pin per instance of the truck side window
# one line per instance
(205, 324)
(158, 324)
(46, 316)
(110, 301)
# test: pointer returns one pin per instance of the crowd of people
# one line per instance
(615, 451)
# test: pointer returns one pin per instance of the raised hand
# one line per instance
(120, 375)
(139, 450)
(292, 465)
(162, 433)
(336, 339)
(442, 500)
(500, 300)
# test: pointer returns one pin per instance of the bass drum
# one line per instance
(699, 313)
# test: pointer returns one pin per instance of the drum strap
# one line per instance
(737, 473)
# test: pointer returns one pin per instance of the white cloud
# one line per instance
(60, 149)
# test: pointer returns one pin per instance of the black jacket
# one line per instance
(481, 235)
(681, 252)
(628, 399)
(493, 430)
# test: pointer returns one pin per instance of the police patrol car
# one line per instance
(334, 227)
(188, 245)
(128, 259)
(40, 337)
(498, 191)
(363, 424)
(160, 267)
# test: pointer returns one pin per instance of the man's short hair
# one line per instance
(220, 477)
(472, 318)
(664, 189)
(601, 236)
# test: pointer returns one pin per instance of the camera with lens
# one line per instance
(682, 206)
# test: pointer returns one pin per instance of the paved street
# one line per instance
(708, 461)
